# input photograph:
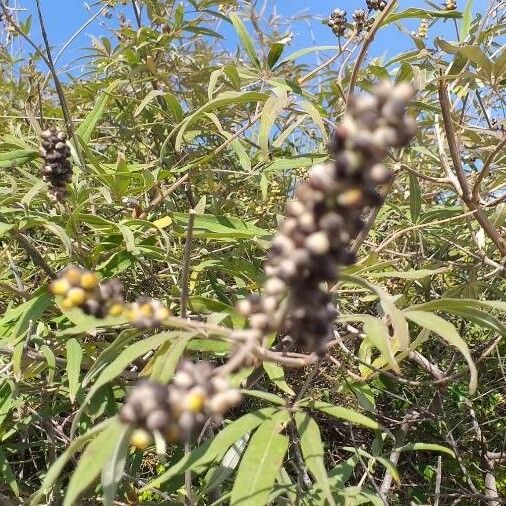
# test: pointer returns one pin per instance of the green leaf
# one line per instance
(274, 53)
(312, 451)
(151, 95)
(90, 122)
(115, 368)
(225, 99)
(415, 198)
(17, 158)
(112, 471)
(430, 447)
(277, 375)
(74, 358)
(420, 14)
(471, 52)
(61, 462)
(51, 361)
(316, 116)
(467, 17)
(342, 413)
(165, 363)
(29, 311)
(213, 449)
(412, 275)
(266, 396)
(260, 464)
(272, 108)
(4, 228)
(208, 226)
(449, 333)
(228, 464)
(246, 41)
(400, 338)
(377, 332)
(7, 475)
(97, 453)
(5, 400)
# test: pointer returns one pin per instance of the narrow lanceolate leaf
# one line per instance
(428, 447)
(228, 464)
(415, 198)
(117, 366)
(465, 24)
(74, 358)
(342, 413)
(260, 464)
(16, 158)
(277, 375)
(166, 362)
(214, 449)
(113, 470)
(449, 333)
(312, 451)
(272, 108)
(377, 333)
(246, 41)
(97, 453)
(89, 123)
(7, 475)
(60, 463)
(152, 94)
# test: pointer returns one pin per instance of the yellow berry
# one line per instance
(77, 296)
(195, 402)
(67, 303)
(60, 287)
(145, 309)
(162, 313)
(89, 280)
(73, 275)
(116, 309)
(351, 198)
(141, 439)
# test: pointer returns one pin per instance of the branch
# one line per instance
(465, 193)
(486, 168)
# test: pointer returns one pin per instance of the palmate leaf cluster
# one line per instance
(170, 116)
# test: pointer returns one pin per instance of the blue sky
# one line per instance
(63, 18)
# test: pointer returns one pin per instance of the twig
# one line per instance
(486, 168)
(466, 195)
(437, 491)
(367, 42)
(36, 257)
(186, 263)
(397, 234)
(59, 88)
(409, 419)
(163, 195)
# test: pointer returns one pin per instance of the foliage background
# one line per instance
(169, 117)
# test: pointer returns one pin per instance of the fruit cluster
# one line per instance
(81, 288)
(360, 20)
(423, 29)
(314, 238)
(176, 410)
(337, 22)
(56, 170)
(376, 5)
(146, 313)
